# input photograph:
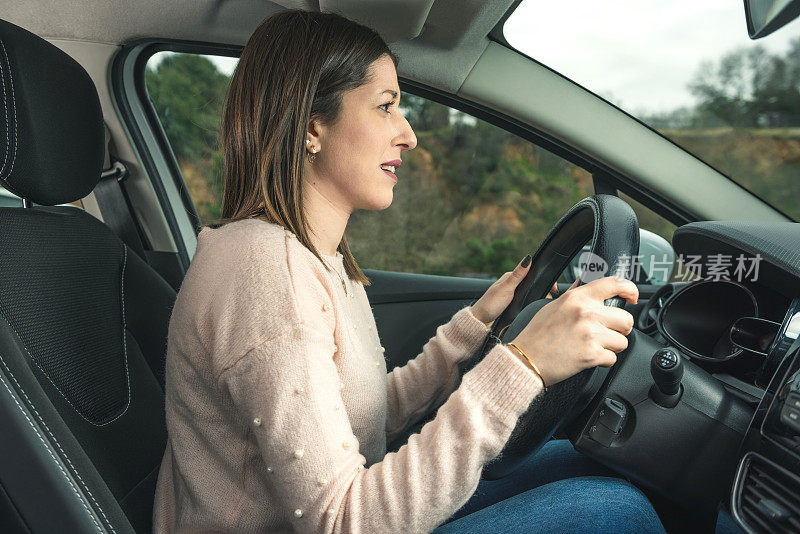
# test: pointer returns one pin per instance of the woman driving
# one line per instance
(278, 401)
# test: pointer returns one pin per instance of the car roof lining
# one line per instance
(437, 41)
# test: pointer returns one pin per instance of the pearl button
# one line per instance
(331, 511)
(326, 306)
(300, 390)
(257, 421)
(341, 385)
(355, 326)
(298, 453)
(345, 445)
(323, 482)
(369, 327)
(298, 513)
(383, 349)
(335, 348)
(377, 364)
(360, 468)
(269, 469)
(335, 407)
(350, 294)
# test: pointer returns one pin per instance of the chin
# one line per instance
(381, 203)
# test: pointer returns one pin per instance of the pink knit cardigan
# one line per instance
(279, 406)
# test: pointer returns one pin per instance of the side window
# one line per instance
(471, 200)
(187, 92)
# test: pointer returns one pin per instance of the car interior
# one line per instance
(701, 411)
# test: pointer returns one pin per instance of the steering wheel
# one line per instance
(612, 228)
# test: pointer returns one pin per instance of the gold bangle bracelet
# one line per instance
(533, 365)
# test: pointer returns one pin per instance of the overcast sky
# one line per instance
(225, 64)
(639, 54)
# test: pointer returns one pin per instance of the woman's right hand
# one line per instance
(577, 331)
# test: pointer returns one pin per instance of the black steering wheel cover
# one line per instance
(612, 227)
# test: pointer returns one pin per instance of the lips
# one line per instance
(393, 165)
(390, 174)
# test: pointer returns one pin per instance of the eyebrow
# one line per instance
(393, 93)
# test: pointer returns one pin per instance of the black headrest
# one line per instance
(51, 123)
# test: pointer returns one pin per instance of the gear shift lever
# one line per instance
(666, 367)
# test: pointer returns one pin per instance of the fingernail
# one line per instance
(526, 260)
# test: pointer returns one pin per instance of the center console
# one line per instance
(766, 490)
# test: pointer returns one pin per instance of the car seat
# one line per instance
(83, 320)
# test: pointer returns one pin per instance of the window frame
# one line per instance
(132, 61)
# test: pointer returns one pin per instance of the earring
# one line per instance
(313, 152)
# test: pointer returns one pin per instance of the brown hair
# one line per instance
(296, 66)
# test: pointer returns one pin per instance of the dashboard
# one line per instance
(765, 494)
(727, 327)
(710, 384)
(716, 321)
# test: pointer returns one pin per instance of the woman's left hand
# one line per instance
(499, 295)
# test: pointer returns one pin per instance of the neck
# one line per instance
(326, 220)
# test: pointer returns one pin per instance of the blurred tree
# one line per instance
(424, 114)
(749, 88)
(187, 91)
(494, 257)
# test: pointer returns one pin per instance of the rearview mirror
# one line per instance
(766, 16)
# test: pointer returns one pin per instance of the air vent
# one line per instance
(767, 497)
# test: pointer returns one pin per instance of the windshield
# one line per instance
(689, 70)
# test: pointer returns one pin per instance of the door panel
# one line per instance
(408, 308)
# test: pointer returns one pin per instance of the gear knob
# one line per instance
(666, 367)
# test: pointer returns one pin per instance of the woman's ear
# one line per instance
(314, 135)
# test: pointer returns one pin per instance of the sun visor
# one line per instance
(393, 20)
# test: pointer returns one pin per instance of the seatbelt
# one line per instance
(114, 204)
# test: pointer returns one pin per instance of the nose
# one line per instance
(407, 136)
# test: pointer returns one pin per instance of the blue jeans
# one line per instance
(556, 490)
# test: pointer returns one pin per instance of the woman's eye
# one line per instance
(386, 104)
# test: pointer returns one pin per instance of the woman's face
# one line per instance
(370, 132)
